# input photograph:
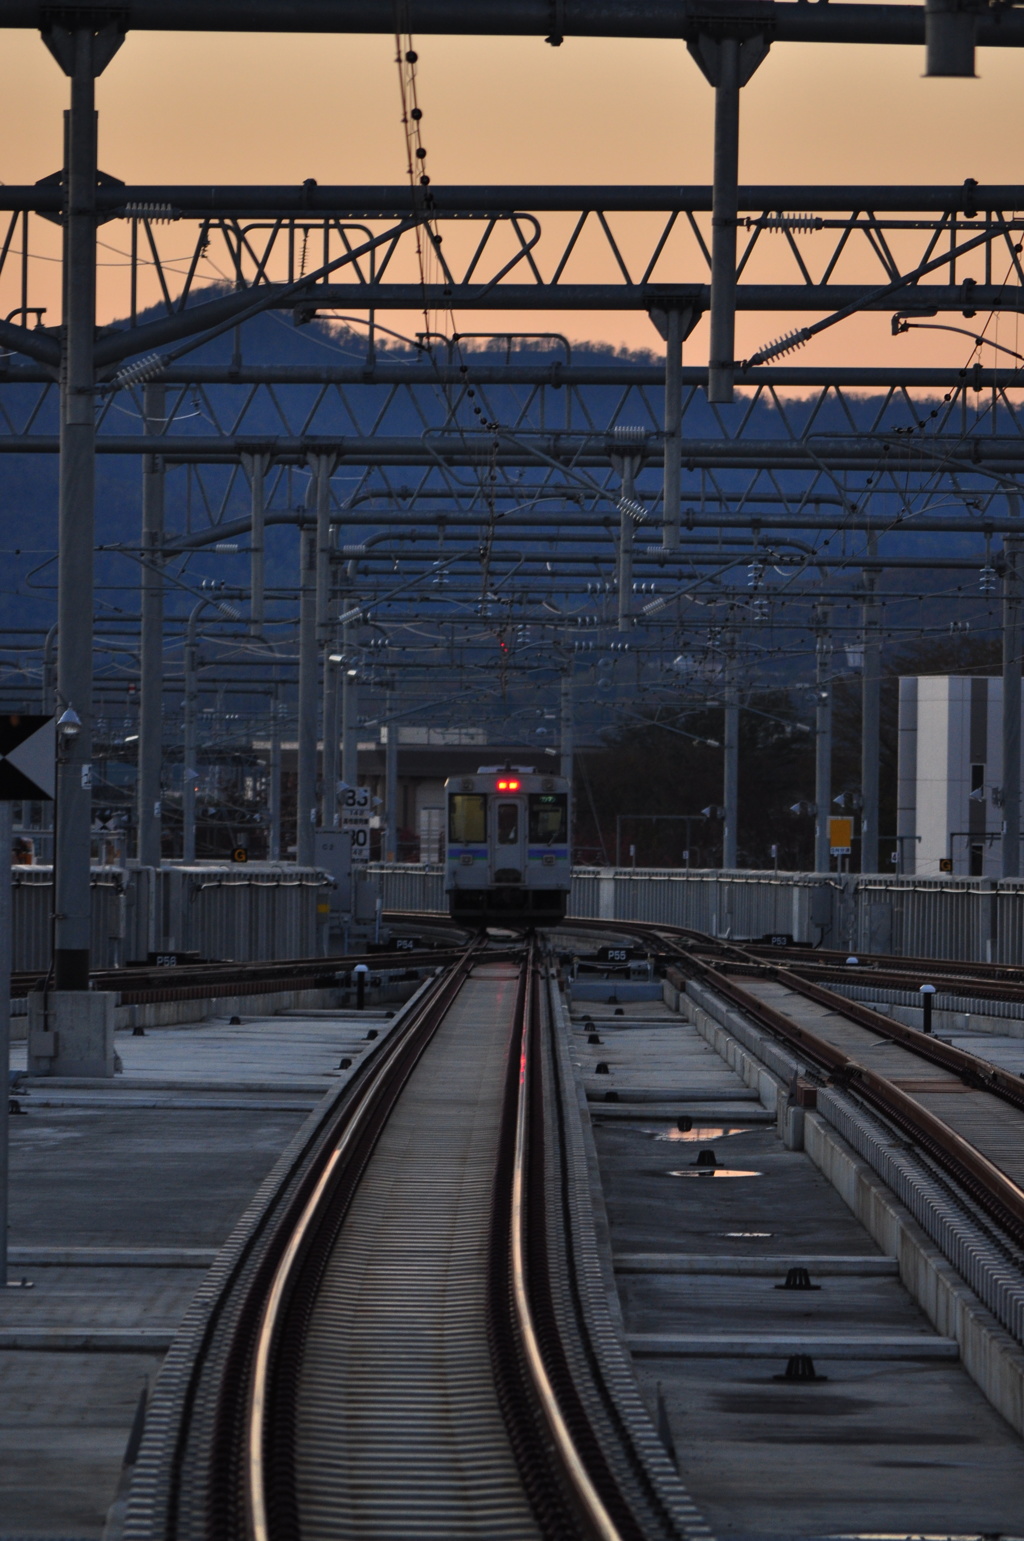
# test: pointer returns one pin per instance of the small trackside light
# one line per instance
(508, 786)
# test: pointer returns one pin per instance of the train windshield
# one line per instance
(548, 818)
(467, 818)
(508, 823)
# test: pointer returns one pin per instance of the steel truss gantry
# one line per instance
(496, 254)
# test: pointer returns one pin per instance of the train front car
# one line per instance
(508, 859)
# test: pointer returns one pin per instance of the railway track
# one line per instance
(911, 1078)
(201, 981)
(409, 1335)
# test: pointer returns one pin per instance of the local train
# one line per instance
(508, 857)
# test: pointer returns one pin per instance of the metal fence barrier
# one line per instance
(264, 910)
(243, 913)
(977, 919)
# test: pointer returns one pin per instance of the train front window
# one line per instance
(548, 815)
(467, 819)
(508, 823)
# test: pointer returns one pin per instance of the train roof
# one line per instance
(535, 780)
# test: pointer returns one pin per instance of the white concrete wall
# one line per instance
(936, 756)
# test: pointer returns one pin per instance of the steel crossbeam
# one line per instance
(785, 22)
(913, 251)
(203, 262)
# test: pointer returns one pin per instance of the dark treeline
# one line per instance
(653, 769)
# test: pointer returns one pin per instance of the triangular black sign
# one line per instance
(28, 763)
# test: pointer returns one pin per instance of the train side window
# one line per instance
(508, 823)
(548, 815)
(467, 818)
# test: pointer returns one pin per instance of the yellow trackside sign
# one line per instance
(840, 836)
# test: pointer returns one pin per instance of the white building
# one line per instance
(949, 804)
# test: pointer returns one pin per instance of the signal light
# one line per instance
(508, 786)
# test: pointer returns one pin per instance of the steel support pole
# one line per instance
(391, 793)
(724, 209)
(731, 767)
(76, 518)
(47, 705)
(189, 744)
(322, 466)
(256, 469)
(822, 743)
(567, 725)
(871, 701)
(329, 779)
(349, 720)
(151, 639)
(305, 797)
(625, 573)
(673, 423)
(6, 959)
(1011, 707)
(274, 779)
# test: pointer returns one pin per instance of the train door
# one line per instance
(508, 838)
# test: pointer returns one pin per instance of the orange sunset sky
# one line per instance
(220, 108)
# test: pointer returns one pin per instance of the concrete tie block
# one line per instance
(71, 1033)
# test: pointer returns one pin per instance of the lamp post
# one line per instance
(69, 726)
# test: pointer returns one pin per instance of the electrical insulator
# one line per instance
(755, 572)
(987, 580)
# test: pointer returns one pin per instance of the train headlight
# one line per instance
(507, 785)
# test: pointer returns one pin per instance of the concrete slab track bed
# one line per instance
(846, 1408)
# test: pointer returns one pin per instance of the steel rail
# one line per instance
(197, 981)
(554, 1470)
(870, 962)
(188, 1487)
(364, 1123)
(971, 1069)
(596, 1517)
(897, 979)
(579, 1450)
(998, 1195)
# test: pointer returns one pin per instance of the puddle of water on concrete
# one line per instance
(754, 1236)
(702, 1132)
(713, 1171)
